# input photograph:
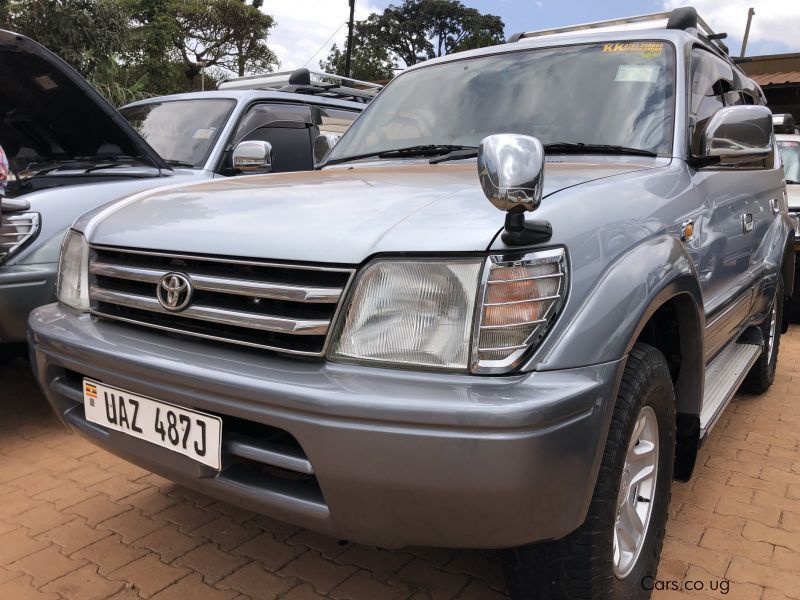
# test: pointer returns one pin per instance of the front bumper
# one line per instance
(376, 456)
(23, 288)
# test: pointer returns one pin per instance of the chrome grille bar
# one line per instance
(225, 285)
(217, 315)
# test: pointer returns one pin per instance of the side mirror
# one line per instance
(323, 144)
(252, 157)
(738, 134)
(511, 172)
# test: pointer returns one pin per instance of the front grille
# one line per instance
(283, 307)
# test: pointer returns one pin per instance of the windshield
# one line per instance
(181, 131)
(617, 94)
(790, 154)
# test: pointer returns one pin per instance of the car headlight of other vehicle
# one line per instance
(73, 272)
(15, 230)
(480, 314)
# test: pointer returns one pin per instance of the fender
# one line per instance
(655, 280)
(610, 319)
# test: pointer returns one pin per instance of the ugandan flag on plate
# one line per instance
(90, 391)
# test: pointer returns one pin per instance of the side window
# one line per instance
(287, 127)
(712, 78)
(334, 120)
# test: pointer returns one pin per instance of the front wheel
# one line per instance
(615, 552)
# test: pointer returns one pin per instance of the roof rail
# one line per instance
(303, 81)
(685, 18)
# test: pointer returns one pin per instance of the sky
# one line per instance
(306, 29)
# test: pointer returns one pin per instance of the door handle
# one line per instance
(747, 222)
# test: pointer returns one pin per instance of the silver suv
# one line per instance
(374, 351)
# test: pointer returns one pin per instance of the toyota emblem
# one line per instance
(174, 291)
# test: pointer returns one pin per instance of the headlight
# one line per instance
(411, 313)
(422, 313)
(73, 275)
(15, 230)
(521, 297)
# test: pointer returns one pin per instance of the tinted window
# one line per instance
(272, 115)
(287, 128)
(181, 131)
(291, 147)
(711, 79)
(336, 121)
(617, 93)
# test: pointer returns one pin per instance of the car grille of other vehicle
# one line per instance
(283, 307)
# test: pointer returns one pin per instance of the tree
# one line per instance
(418, 30)
(368, 62)
(455, 27)
(402, 30)
(85, 33)
(230, 34)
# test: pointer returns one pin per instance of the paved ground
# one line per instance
(78, 523)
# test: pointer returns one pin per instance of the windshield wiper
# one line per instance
(113, 162)
(408, 152)
(792, 182)
(581, 148)
(466, 152)
(172, 162)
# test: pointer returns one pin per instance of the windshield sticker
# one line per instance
(645, 73)
(788, 144)
(204, 134)
(645, 49)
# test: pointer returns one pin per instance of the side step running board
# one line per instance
(724, 375)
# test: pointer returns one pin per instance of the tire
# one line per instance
(762, 373)
(582, 565)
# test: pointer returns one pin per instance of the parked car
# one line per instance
(374, 351)
(789, 147)
(61, 135)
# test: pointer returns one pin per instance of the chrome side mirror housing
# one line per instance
(738, 134)
(511, 171)
(252, 157)
(323, 144)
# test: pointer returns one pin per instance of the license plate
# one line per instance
(188, 432)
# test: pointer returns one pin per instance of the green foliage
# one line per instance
(414, 31)
(85, 33)
(229, 34)
(133, 48)
(368, 62)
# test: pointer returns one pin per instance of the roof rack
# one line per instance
(685, 18)
(303, 81)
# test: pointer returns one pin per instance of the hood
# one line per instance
(59, 207)
(337, 215)
(48, 112)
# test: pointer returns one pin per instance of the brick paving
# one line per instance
(78, 523)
